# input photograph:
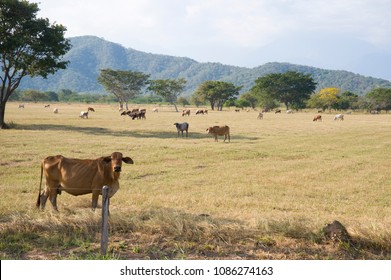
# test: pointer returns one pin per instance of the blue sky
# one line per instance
(352, 35)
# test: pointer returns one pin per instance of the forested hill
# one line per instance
(89, 54)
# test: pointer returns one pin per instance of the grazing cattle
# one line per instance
(289, 111)
(84, 115)
(200, 111)
(186, 112)
(338, 117)
(155, 110)
(317, 118)
(129, 112)
(80, 176)
(219, 131)
(260, 116)
(55, 111)
(90, 109)
(140, 115)
(21, 106)
(182, 127)
(135, 114)
(136, 110)
(124, 113)
(47, 106)
(278, 111)
(237, 110)
(320, 111)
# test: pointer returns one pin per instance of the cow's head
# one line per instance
(116, 160)
(211, 129)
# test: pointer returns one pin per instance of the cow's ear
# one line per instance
(107, 159)
(127, 160)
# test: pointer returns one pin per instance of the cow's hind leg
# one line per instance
(53, 197)
(43, 198)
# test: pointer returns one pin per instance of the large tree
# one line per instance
(29, 46)
(217, 93)
(168, 89)
(125, 85)
(379, 99)
(291, 88)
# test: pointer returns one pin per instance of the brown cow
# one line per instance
(317, 118)
(186, 112)
(80, 176)
(90, 109)
(219, 131)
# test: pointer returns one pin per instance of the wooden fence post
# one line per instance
(104, 240)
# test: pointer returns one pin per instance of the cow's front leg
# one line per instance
(95, 197)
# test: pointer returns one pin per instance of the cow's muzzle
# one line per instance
(117, 169)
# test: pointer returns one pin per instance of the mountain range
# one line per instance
(89, 54)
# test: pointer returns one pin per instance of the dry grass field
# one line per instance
(265, 195)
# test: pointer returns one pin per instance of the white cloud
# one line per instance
(229, 30)
(241, 22)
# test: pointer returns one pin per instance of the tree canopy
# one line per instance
(326, 98)
(217, 93)
(125, 85)
(29, 46)
(291, 88)
(169, 89)
(331, 98)
(379, 99)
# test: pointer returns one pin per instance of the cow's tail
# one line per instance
(40, 188)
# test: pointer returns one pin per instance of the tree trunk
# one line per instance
(3, 125)
(176, 108)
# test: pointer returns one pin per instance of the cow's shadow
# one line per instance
(101, 131)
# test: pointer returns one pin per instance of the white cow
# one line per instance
(338, 117)
(84, 115)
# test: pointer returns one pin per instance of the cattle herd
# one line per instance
(84, 176)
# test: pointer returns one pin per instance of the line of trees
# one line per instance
(209, 94)
(31, 46)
